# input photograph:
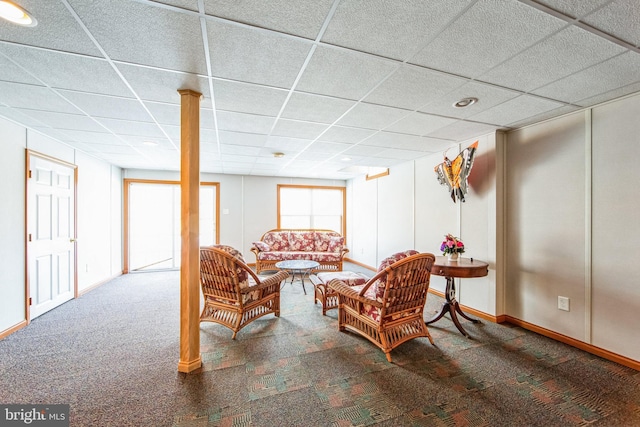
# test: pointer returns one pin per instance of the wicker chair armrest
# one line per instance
(344, 252)
(347, 291)
(268, 282)
(255, 250)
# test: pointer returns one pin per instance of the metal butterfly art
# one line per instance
(454, 173)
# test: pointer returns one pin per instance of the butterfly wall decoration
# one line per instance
(454, 173)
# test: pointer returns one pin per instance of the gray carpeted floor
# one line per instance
(112, 355)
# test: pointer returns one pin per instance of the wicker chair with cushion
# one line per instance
(234, 295)
(388, 309)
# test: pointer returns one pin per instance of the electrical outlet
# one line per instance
(563, 303)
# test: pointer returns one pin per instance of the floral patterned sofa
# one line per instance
(323, 246)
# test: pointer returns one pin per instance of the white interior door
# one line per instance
(50, 234)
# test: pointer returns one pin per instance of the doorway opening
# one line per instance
(152, 223)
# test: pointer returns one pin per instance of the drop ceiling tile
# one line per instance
(327, 147)
(286, 145)
(57, 29)
(395, 141)
(238, 150)
(566, 52)
(516, 109)
(108, 106)
(348, 135)
(11, 72)
(572, 8)
(382, 162)
(116, 25)
(169, 114)
(372, 116)
(242, 138)
(34, 97)
(468, 48)
(411, 87)
(239, 122)
(420, 124)
(299, 18)
(315, 108)
(64, 120)
(620, 18)
(343, 74)
(68, 71)
(132, 128)
(255, 55)
(488, 96)
(184, 4)
(100, 138)
(397, 154)
(166, 114)
(298, 129)
(20, 117)
(315, 157)
(210, 148)
(462, 130)
(604, 77)
(162, 86)
(544, 116)
(608, 96)
(388, 28)
(362, 150)
(434, 145)
(248, 98)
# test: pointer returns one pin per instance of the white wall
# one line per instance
(409, 209)
(572, 207)
(248, 204)
(615, 291)
(99, 230)
(13, 141)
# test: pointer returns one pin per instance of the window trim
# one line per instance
(343, 232)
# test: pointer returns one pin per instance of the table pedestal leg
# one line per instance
(300, 274)
(452, 307)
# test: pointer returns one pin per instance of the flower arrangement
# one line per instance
(451, 245)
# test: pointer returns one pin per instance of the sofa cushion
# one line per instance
(350, 278)
(261, 246)
(322, 241)
(277, 240)
(302, 241)
(336, 243)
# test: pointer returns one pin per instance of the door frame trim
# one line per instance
(27, 286)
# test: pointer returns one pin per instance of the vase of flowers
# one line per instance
(452, 247)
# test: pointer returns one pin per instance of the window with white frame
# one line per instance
(310, 207)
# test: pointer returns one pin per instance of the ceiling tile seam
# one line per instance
(578, 22)
(207, 55)
(573, 103)
(56, 91)
(115, 68)
(303, 68)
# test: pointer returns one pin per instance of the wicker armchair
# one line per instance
(234, 295)
(388, 309)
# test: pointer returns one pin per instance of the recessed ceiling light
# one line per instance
(346, 159)
(278, 154)
(16, 14)
(465, 102)
(150, 143)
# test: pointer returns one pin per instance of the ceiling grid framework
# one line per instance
(373, 81)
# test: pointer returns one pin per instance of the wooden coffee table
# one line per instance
(298, 267)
